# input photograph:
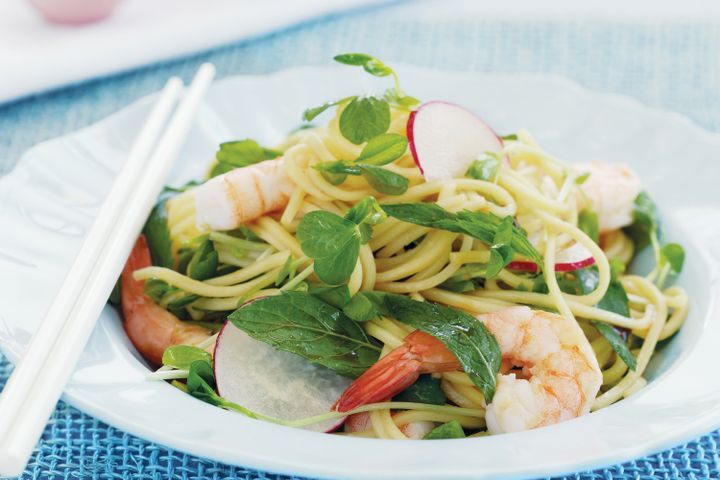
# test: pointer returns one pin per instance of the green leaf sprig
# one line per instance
(156, 230)
(333, 242)
(302, 324)
(378, 68)
(426, 389)
(365, 117)
(380, 150)
(451, 429)
(474, 346)
(240, 153)
(481, 225)
(645, 230)
(485, 167)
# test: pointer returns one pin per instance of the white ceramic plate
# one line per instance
(48, 201)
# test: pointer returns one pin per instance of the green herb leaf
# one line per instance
(646, 221)
(367, 210)
(615, 299)
(588, 223)
(501, 252)
(364, 118)
(467, 338)
(286, 272)
(338, 167)
(400, 100)
(383, 149)
(509, 136)
(338, 296)
(360, 308)
(451, 429)
(369, 63)
(426, 389)
(333, 242)
(182, 356)
(383, 180)
(310, 114)
(480, 225)
(157, 233)
(240, 153)
(201, 382)
(617, 343)
(485, 167)
(204, 262)
(582, 178)
(357, 59)
(302, 324)
(459, 286)
(674, 255)
(365, 214)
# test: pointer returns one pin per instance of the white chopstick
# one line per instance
(29, 409)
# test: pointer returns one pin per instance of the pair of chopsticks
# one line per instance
(39, 377)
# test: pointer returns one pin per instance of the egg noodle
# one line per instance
(538, 190)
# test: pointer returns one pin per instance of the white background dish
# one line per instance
(48, 201)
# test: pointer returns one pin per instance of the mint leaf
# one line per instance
(451, 429)
(304, 325)
(474, 346)
(204, 262)
(364, 118)
(360, 308)
(480, 225)
(426, 389)
(501, 252)
(617, 343)
(338, 296)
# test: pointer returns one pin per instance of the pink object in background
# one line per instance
(75, 11)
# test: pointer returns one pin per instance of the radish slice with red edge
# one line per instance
(272, 382)
(568, 260)
(445, 138)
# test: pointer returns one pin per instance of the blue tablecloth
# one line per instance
(669, 65)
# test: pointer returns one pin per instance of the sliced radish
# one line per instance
(568, 260)
(272, 382)
(445, 138)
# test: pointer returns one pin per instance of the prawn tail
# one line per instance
(389, 376)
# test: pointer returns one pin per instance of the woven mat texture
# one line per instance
(668, 65)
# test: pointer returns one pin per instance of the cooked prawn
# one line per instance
(555, 376)
(241, 195)
(610, 190)
(150, 327)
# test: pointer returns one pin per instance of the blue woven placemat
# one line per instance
(673, 66)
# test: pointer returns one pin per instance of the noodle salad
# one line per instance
(401, 271)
